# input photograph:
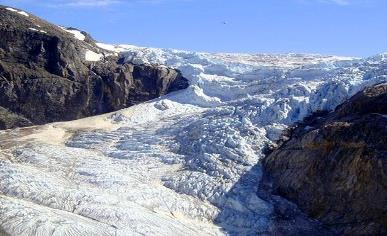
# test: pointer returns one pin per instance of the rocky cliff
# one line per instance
(334, 166)
(50, 73)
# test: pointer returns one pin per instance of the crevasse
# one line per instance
(184, 164)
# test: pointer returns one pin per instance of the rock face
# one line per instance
(335, 165)
(49, 73)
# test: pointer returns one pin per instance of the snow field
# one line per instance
(183, 164)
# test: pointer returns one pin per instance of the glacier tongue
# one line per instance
(183, 164)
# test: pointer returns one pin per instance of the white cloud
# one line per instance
(338, 2)
(89, 3)
(67, 3)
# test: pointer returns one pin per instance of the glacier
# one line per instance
(187, 163)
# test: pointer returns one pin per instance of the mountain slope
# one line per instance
(50, 73)
(334, 166)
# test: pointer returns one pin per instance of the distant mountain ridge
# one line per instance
(50, 73)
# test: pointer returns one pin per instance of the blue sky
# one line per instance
(341, 27)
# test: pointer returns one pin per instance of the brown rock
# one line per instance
(44, 76)
(334, 167)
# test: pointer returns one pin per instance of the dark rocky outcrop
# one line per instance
(45, 77)
(334, 166)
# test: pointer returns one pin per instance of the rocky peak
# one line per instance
(51, 73)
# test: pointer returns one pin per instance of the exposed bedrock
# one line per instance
(334, 166)
(48, 74)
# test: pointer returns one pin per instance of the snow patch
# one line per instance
(77, 34)
(109, 47)
(93, 56)
(42, 31)
(23, 13)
